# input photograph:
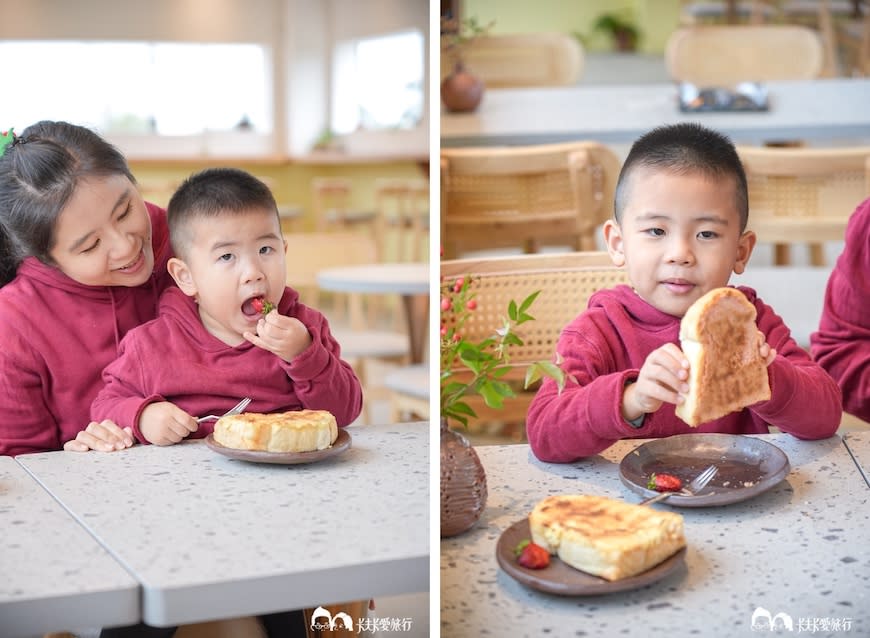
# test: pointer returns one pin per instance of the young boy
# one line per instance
(679, 231)
(211, 345)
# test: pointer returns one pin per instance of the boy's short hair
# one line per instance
(685, 149)
(212, 193)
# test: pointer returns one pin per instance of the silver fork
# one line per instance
(237, 409)
(697, 484)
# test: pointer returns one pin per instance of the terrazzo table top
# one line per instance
(53, 574)
(209, 537)
(800, 549)
(859, 447)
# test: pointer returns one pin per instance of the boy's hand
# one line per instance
(105, 436)
(283, 336)
(165, 423)
(662, 379)
(767, 353)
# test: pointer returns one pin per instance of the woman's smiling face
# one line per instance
(679, 237)
(103, 235)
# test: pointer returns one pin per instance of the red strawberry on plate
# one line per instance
(532, 556)
(664, 483)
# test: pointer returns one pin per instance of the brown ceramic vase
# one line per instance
(461, 91)
(463, 483)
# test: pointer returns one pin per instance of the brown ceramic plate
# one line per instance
(559, 578)
(747, 466)
(283, 458)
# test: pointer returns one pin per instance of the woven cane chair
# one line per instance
(565, 281)
(804, 195)
(525, 59)
(525, 196)
(727, 55)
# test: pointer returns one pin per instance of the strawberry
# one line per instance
(664, 483)
(532, 556)
(262, 305)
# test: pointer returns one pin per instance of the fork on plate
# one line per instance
(236, 409)
(698, 483)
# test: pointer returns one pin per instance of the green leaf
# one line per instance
(491, 396)
(460, 407)
(512, 310)
(528, 301)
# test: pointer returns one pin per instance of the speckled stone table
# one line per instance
(210, 537)
(800, 549)
(858, 444)
(53, 575)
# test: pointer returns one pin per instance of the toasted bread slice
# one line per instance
(719, 337)
(296, 431)
(605, 537)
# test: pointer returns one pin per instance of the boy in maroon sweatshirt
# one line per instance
(681, 211)
(212, 343)
(842, 344)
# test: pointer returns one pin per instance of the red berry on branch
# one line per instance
(457, 286)
(445, 304)
(471, 305)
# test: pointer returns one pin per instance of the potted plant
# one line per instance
(461, 90)
(467, 368)
(621, 29)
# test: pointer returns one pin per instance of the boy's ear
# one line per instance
(745, 244)
(182, 276)
(613, 239)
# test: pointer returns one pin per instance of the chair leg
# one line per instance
(781, 254)
(817, 254)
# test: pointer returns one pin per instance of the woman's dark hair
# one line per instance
(212, 193)
(38, 175)
(685, 149)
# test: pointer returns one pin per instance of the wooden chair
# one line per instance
(525, 59)
(566, 281)
(308, 253)
(409, 392)
(331, 197)
(804, 194)
(828, 17)
(525, 196)
(403, 216)
(853, 40)
(727, 55)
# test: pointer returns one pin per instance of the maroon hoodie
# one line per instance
(606, 346)
(56, 336)
(174, 358)
(842, 344)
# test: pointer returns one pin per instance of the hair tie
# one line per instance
(7, 138)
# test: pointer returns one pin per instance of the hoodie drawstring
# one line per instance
(115, 320)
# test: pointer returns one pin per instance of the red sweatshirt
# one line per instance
(56, 336)
(842, 344)
(174, 358)
(606, 346)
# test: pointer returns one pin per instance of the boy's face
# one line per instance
(230, 260)
(679, 237)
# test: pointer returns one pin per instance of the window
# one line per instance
(378, 83)
(137, 87)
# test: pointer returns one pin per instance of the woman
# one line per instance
(82, 261)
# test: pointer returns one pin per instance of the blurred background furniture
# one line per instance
(331, 197)
(804, 194)
(409, 392)
(525, 59)
(710, 56)
(365, 344)
(726, 12)
(402, 219)
(525, 196)
(565, 282)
